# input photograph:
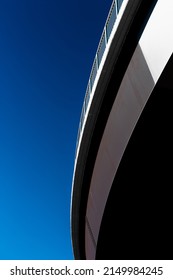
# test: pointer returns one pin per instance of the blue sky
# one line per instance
(46, 53)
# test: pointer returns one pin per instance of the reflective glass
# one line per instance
(87, 97)
(101, 48)
(93, 73)
(119, 2)
(111, 20)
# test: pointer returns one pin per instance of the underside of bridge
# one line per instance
(121, 202)
(137, 221)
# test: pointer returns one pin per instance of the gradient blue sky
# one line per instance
(46, 53)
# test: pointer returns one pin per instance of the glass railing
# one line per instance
(113, 12)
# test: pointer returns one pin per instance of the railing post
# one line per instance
(106, 37)
(97, 62)
(116, 7)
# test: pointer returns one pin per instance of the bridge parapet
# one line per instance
(111, 19)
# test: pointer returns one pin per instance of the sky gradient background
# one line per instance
(46, 53)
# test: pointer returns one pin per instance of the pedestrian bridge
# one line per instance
(122, 173)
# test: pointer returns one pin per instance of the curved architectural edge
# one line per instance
(122, 47)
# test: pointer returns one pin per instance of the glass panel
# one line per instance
(111, 20)
(93, 73)
(119, 2)
(82, 116)
(101, 48)
(87, 97)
